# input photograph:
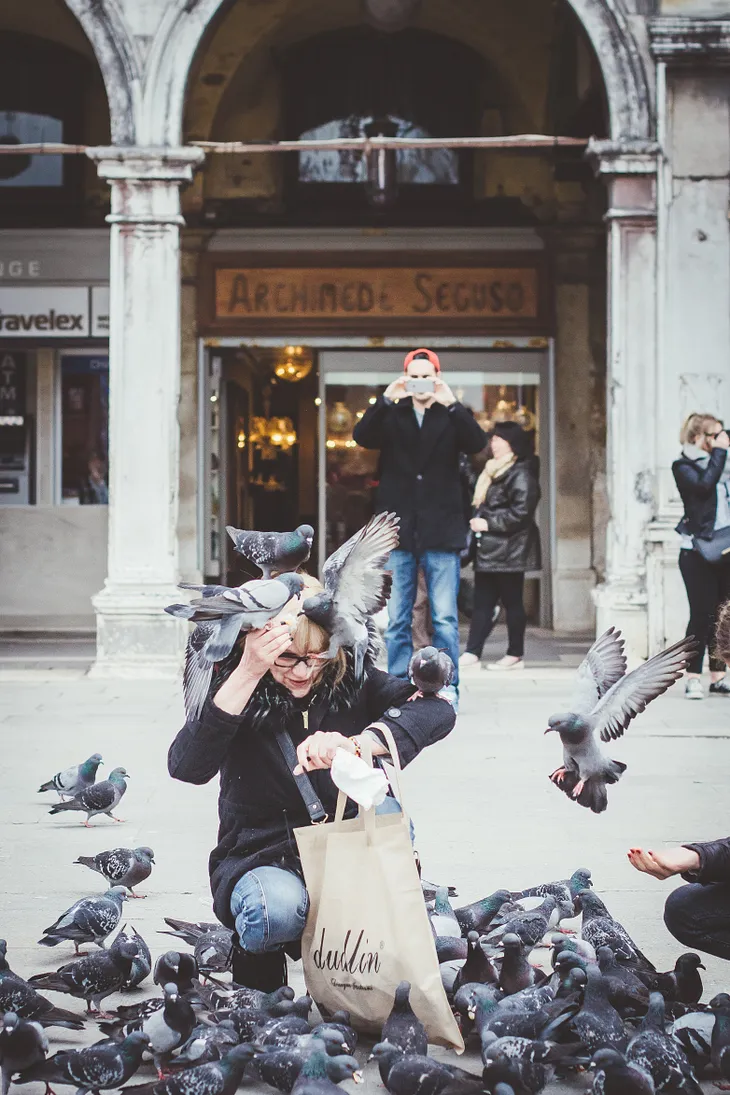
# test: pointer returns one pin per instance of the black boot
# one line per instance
(266, 972)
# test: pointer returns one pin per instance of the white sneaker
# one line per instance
(467, 660)
(507, 663)
(693, 689)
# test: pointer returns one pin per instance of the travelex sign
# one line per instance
(54, 311)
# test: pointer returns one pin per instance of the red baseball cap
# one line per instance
(432, 357)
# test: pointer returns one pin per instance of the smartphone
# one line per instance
(420, 385)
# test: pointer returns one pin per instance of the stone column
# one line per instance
(630, 172)
(134, 636)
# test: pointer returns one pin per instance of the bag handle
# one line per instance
(366, 746)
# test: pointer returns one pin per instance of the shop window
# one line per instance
(22, 127)
(84, 429)
(17, 429)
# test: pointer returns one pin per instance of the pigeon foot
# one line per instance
(119, 819)
(86, 825)
(416, 696)
(577, 790)
(559, 775)
(566, 931)
(140, 896)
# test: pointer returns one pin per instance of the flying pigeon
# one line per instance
(403, 1028)
(614, 1075)
(92, 1068)
(657, 1053)
(169, 1027)
(71, 781)
(122, 866)
(216, 1078)
(220, 616)
(142, 964)
(91, 978)
(101, 798)
(212, 943)
(563, 891)
(22, 1045)
(356, 586)
(430, 670)
(274, 553)
(90, 920)
(606, 701)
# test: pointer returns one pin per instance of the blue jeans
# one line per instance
(442, 570)
(270, 904)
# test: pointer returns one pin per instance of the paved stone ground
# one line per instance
(485, 813)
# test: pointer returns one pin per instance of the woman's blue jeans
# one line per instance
(270, 904)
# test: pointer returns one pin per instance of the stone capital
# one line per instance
(121, 163)
(682, 40)
(625, 157)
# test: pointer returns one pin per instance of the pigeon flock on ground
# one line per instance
(594, 1011)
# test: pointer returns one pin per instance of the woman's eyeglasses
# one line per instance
(289, 661)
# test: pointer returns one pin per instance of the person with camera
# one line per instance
(420, 429)
(702, 475)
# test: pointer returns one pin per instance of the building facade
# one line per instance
(188, 336)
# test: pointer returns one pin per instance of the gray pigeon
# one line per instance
(563, 891)
(430, 670)
(529, 924)
(356, 586)
(101, 798)
(91, 1068)
(220, 617)
(443, 920)
(216, 1078)
(274, 552)
(122, 866)
(207, 1042)
(90, 920)
(22, 1045)
(71, 781)
(91, 978)
(614, 1075)
(606, 701)
(212, 943)
(177, 967)
(657, 1053)
(601, 930)
(142, 963)
(169, 1027)
(403, 1028)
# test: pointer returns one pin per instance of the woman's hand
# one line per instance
(721, 440)
(397, 390)
(262, 649)
(664, 864)
(318, 750)
(478, 524)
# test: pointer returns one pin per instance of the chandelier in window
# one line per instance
(294, 364)
(271, 434)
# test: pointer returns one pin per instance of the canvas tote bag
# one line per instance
(367, 927)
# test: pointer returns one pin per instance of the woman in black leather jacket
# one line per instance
(702, 475)
(508, 542)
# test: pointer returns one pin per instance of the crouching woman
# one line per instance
(279, 679)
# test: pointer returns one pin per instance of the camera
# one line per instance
(420, 385)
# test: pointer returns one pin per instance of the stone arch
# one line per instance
(620, 57)
(119, 63)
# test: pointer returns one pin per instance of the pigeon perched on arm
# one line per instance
(356, 586)
(22, 1045)
(122, 866)
(101, 798)
(220, 616)
(71, 781)
(606, 702)
(403, 1028)
(91, 978)
(142, 964)
(274, 553)
(430, 670)
(90, 920)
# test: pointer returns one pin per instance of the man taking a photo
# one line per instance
(420, 429)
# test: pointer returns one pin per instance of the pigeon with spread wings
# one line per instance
(220, 615)
(606, 701)
(356, 586)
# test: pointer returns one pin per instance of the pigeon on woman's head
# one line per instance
(356, 586)
(606, 701)
(221, 616)
(274, 552)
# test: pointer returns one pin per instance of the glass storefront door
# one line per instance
(497, 385)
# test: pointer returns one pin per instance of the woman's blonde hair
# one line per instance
(696, 425)
(310, 638)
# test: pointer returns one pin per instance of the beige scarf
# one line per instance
(492, 470)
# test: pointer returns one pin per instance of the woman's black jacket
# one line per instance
(697, 486)
(259, 804)
(714, 862)
(512, 541)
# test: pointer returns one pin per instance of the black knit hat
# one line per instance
(519, 441)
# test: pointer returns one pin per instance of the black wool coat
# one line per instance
(512, 542)
(259, 804)
(697, 486)
(419, 469)
(714, 862)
